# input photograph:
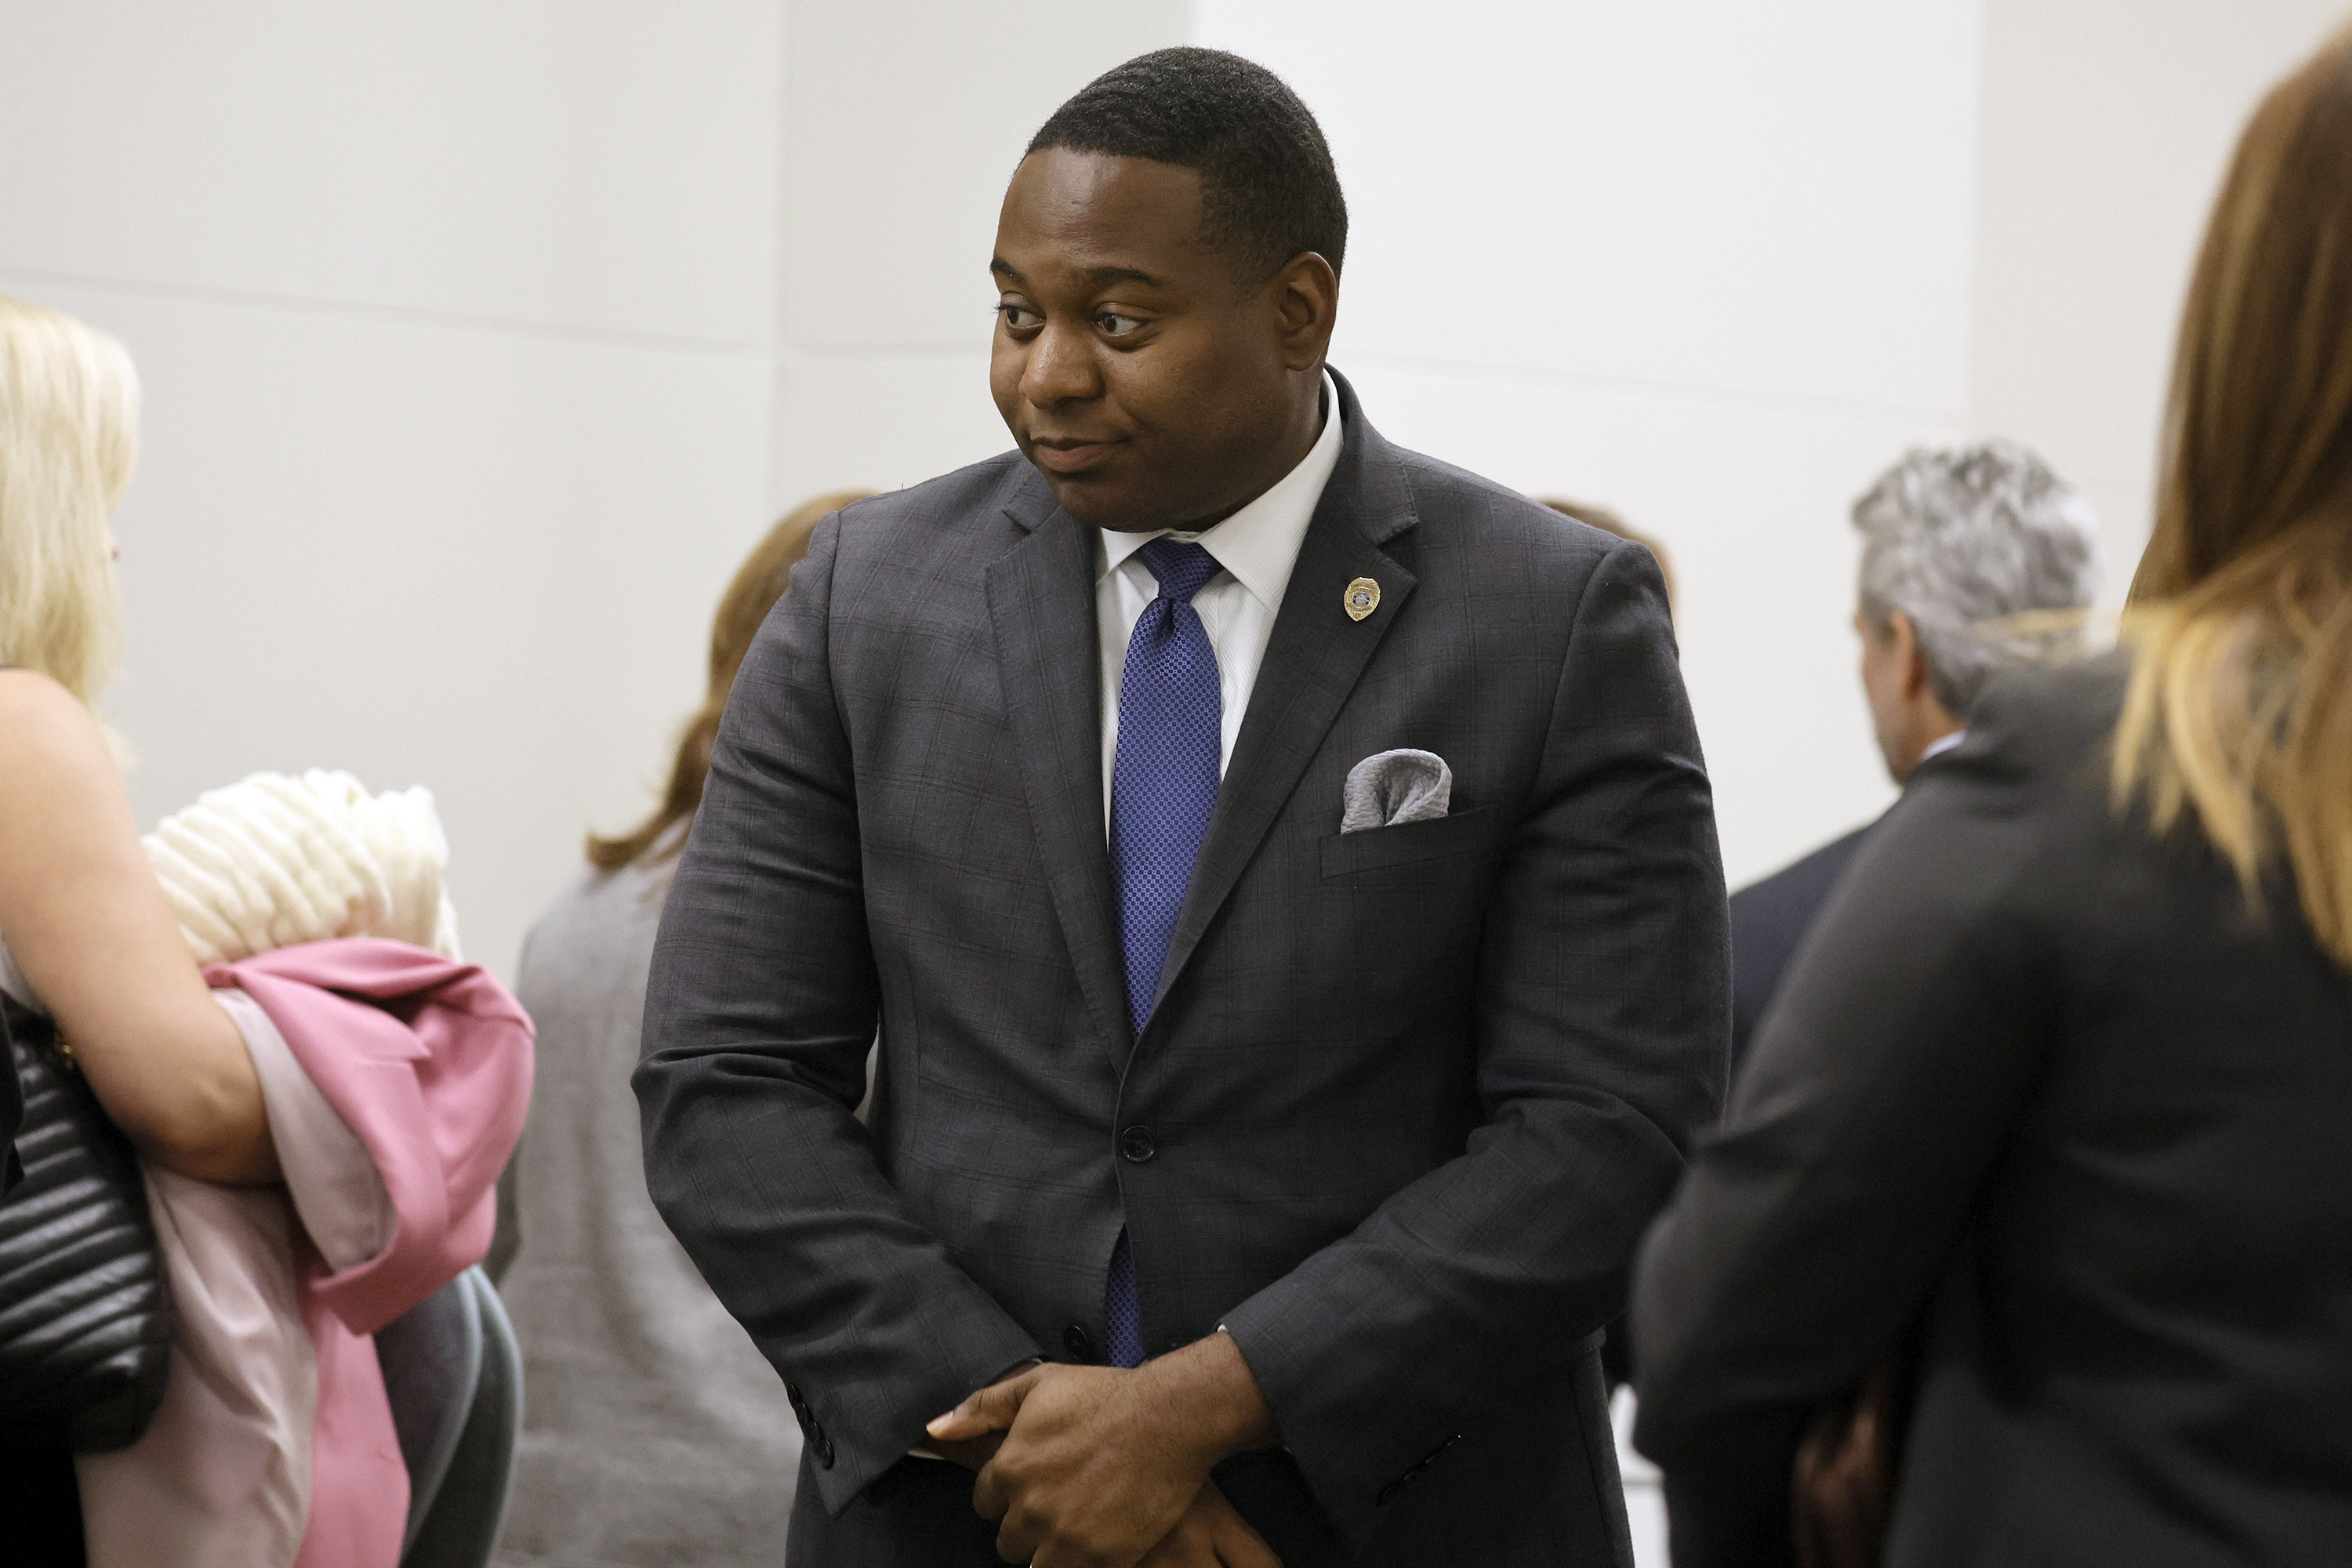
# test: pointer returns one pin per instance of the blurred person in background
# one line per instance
(654, 1430)
(87, 936)
(1608, 522)
(2058, 1094)
(316, 1122)
(1974, 559)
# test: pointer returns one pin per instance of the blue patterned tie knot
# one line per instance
(1182, 569)
(1163, 789)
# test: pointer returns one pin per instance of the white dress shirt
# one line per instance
(1937, 747)
(1257, 546)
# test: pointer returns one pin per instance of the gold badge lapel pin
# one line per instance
(1362, 597)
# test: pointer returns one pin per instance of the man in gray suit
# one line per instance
(1265, 1121)
(1975, 560)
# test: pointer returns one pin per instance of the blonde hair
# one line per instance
(2239, 712)
(68, 441)
(758, 582)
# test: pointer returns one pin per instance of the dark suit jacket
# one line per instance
(1408, 1096)
(1768, 920)
(2045, 1086)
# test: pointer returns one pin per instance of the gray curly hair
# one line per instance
(1978, 546)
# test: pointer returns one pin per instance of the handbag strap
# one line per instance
(12, 1110)
(11, 1093)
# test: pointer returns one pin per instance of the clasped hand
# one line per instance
(1103, 1467)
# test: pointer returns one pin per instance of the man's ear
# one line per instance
(1908, 655)
(1306, 305)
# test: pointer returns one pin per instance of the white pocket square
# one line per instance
(1389, 787)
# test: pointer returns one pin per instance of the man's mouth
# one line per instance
(1067, 454)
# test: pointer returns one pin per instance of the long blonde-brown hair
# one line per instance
(2239, 713)
(758, 582)
(68, 441)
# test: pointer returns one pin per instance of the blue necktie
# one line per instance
(1164, 787)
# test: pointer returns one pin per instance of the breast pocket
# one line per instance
(1405, 844)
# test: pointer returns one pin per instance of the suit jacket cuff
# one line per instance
(1355, 1458)
(867, 1436)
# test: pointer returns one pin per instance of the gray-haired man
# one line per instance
(1963, 549)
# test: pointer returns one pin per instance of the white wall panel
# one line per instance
(590, 162)
(2107, 126)
(879, 421)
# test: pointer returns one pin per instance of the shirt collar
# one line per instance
(1258, 544)
(1937, 747)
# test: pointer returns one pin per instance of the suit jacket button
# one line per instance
(824, 1446)
(1078, 1342)
(1138, 1145)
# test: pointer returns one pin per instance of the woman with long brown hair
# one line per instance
(655, 1431)
(2051, 1132)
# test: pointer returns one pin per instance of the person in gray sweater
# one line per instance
(654, 1433)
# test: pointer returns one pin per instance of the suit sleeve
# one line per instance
(1601, 1029)
(1816, 1225)
(760, 1007)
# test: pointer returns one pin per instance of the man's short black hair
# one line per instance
(1267, 179)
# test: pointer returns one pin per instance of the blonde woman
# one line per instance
(2053, 1120)
(655, 1431)
(85, 932)
(81, 914)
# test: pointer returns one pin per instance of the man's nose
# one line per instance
(1061, 367)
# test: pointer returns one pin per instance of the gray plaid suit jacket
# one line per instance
(1409, 1094)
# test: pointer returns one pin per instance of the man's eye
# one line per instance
(1017, 318)
(1118, 326)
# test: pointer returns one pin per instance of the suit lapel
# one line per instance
(1312, 663)
(1041, 597)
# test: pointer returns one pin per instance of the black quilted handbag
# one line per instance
(84, 1310)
